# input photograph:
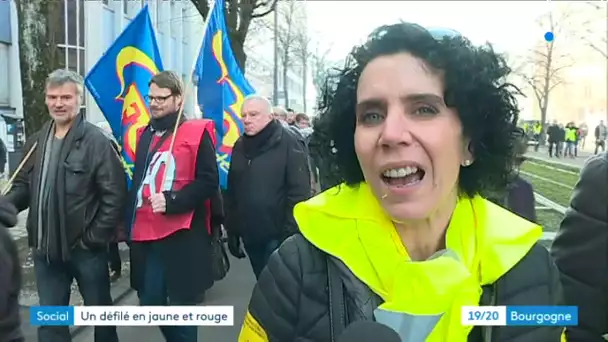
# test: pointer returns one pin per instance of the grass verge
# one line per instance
(554, 175)
(549, 219)
(557, 194)
(558, 166)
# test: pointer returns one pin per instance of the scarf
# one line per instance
(165, 122)
(252, 144)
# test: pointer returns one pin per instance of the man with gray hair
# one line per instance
(75, 187)
(282, 116)
(268, 176)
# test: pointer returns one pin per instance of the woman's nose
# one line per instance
(396, 130)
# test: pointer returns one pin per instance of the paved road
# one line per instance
(19, 231)
(235, 290)
(576, 162)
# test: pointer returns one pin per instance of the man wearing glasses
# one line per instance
(167, 216)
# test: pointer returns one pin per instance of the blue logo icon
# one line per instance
(52, 315)
(549, 37)
(542, 315)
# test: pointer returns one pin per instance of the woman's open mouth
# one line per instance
(403, 176)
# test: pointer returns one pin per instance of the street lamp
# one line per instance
(275, 78)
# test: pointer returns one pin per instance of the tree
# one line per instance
(292, 42)
(239, 14)
(39, 22)
(543, 66)
(320, 69)
(302, 54)
(286, 33)
(592, 30)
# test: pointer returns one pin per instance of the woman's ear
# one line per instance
(467, 153)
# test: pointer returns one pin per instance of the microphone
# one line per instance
(365, 331)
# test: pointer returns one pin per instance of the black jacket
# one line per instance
(10, 277)
(580, 250)
(264, 188)
(520, 199)
(553, 133)
(3, 156)
(91, 202)
(290, 300)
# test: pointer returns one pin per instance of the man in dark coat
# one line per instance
(10, 277)
(113, 250)
(552, 138)
(3, 156)
(580, 250)
(268, 176)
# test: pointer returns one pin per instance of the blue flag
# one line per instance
(222, 87)
(119, 83)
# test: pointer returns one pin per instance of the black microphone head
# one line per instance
(366, 331)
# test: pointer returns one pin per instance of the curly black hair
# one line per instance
(475, 85)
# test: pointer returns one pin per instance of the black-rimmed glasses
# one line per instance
(157, 99)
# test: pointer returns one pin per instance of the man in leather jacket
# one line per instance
(74, 186)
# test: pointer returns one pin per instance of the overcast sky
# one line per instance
(509, 25)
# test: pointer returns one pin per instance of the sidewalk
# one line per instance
(543, 154)
(234, 290)
(120, 289)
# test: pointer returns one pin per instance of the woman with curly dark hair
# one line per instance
(419, 127)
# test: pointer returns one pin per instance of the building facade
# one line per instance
(5, 46)
(178, 27)
(260, 58)
(88, 30)
(10, 79)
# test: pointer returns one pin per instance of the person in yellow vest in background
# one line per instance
(571, 140)
(408, 239)
(537, 129)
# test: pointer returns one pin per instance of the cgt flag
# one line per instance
(119, 83)
(222, 87)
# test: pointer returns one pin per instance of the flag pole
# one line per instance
(188, 87)
(9, 183)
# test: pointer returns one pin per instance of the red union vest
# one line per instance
(149, 226)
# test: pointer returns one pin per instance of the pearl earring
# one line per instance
(467, 162)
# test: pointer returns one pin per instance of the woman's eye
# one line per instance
(426, 110)
(370, 118)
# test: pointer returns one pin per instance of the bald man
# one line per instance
(268, 176)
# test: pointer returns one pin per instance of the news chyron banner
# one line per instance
(562, 316)
(131, 315)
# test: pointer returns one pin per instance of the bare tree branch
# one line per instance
(590, 26)
(542, 68)
(265, 8)
(39, 29)
(239, 15)
(292, 41)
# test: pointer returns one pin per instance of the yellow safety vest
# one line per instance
(483, 241)
(570, 134)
